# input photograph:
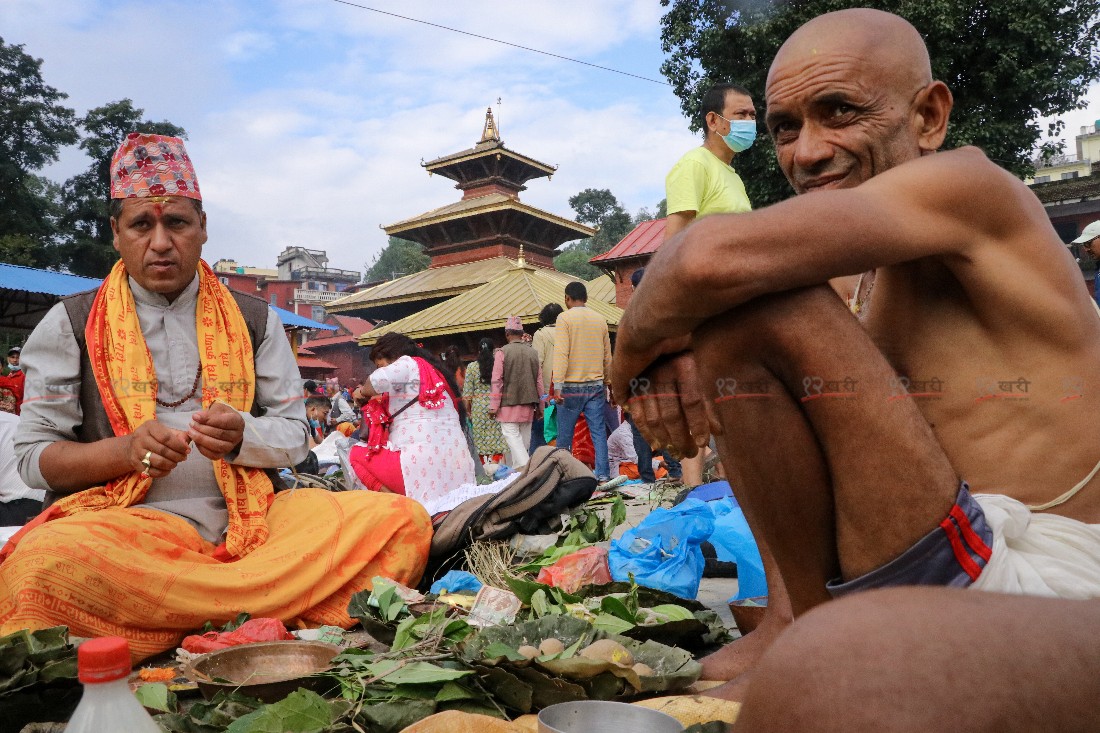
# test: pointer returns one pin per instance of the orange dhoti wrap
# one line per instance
(149, 577)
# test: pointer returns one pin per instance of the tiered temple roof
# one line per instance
(474, 240)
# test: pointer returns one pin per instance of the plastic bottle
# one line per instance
(108, 706)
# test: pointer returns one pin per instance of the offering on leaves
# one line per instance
(551, 646)
(157, 674)
(494, 607)
(608, 650)
(575, 673)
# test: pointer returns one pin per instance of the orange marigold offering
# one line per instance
(157, 674)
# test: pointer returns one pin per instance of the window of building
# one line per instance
(1042, 179)
(1071, 174)
(318, 313)
(274, 299)
(224, 281)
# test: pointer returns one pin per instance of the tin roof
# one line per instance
(602, 289)
(643, 240)
(436, 282)
(312, 362)
(31, 280)
(522, 290)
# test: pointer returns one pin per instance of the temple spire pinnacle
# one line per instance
(522, 261)
(490, 133)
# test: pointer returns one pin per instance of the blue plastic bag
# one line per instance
(456, 581)
(663, 551)
(733, 542)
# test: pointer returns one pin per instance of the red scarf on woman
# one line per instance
(376, 413)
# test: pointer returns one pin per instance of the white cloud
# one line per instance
(246, 44)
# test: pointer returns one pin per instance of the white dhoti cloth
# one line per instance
(1039, 554)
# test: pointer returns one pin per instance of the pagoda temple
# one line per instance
(474, 240)
(520, 291)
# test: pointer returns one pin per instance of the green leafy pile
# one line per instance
(37, 677)
(628, 609)
(586, 526)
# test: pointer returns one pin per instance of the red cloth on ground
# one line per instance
(251, 631)
(381, 470)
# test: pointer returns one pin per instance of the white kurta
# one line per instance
(435, 458)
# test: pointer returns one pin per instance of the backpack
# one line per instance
(552, 483)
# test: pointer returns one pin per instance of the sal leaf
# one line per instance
(156, 696)
(300, 712)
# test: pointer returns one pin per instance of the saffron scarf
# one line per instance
(119, 355)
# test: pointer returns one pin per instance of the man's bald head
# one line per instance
(881, 40)
(850, 95)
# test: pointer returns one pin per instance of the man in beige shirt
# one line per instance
(582, 368)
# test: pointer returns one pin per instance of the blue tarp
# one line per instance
(29, 279)
(60, 284)
(296, 321)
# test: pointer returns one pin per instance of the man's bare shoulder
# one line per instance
(970, 197)
(949, 172)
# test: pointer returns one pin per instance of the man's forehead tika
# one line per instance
(147, 165)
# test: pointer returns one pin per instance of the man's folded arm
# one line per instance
(924, 208)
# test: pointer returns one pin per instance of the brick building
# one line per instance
(632, 251)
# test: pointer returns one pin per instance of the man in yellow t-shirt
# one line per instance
(704, 182)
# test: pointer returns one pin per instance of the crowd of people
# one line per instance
(153, 455)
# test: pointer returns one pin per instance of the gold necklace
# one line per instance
(860, 303)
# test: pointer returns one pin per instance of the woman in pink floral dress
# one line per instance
(425, 453)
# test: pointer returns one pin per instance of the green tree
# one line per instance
(596, 207)
(1008, 63)
(399, 257)
(86, 225)
(33, 128)
(36, 249)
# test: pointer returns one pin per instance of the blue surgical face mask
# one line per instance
(741, 135)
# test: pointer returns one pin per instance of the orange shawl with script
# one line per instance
(118, 354)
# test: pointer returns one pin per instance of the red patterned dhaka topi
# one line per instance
(152, 165)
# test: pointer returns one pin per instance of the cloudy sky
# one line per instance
(308, 119)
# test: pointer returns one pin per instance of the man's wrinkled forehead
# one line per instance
(158, 205)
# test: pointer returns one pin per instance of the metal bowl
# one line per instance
(267, 670)
(593, 716)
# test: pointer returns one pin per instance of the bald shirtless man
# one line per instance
(852, 439)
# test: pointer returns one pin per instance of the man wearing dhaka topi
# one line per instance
(933, 433)
(153, 406)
